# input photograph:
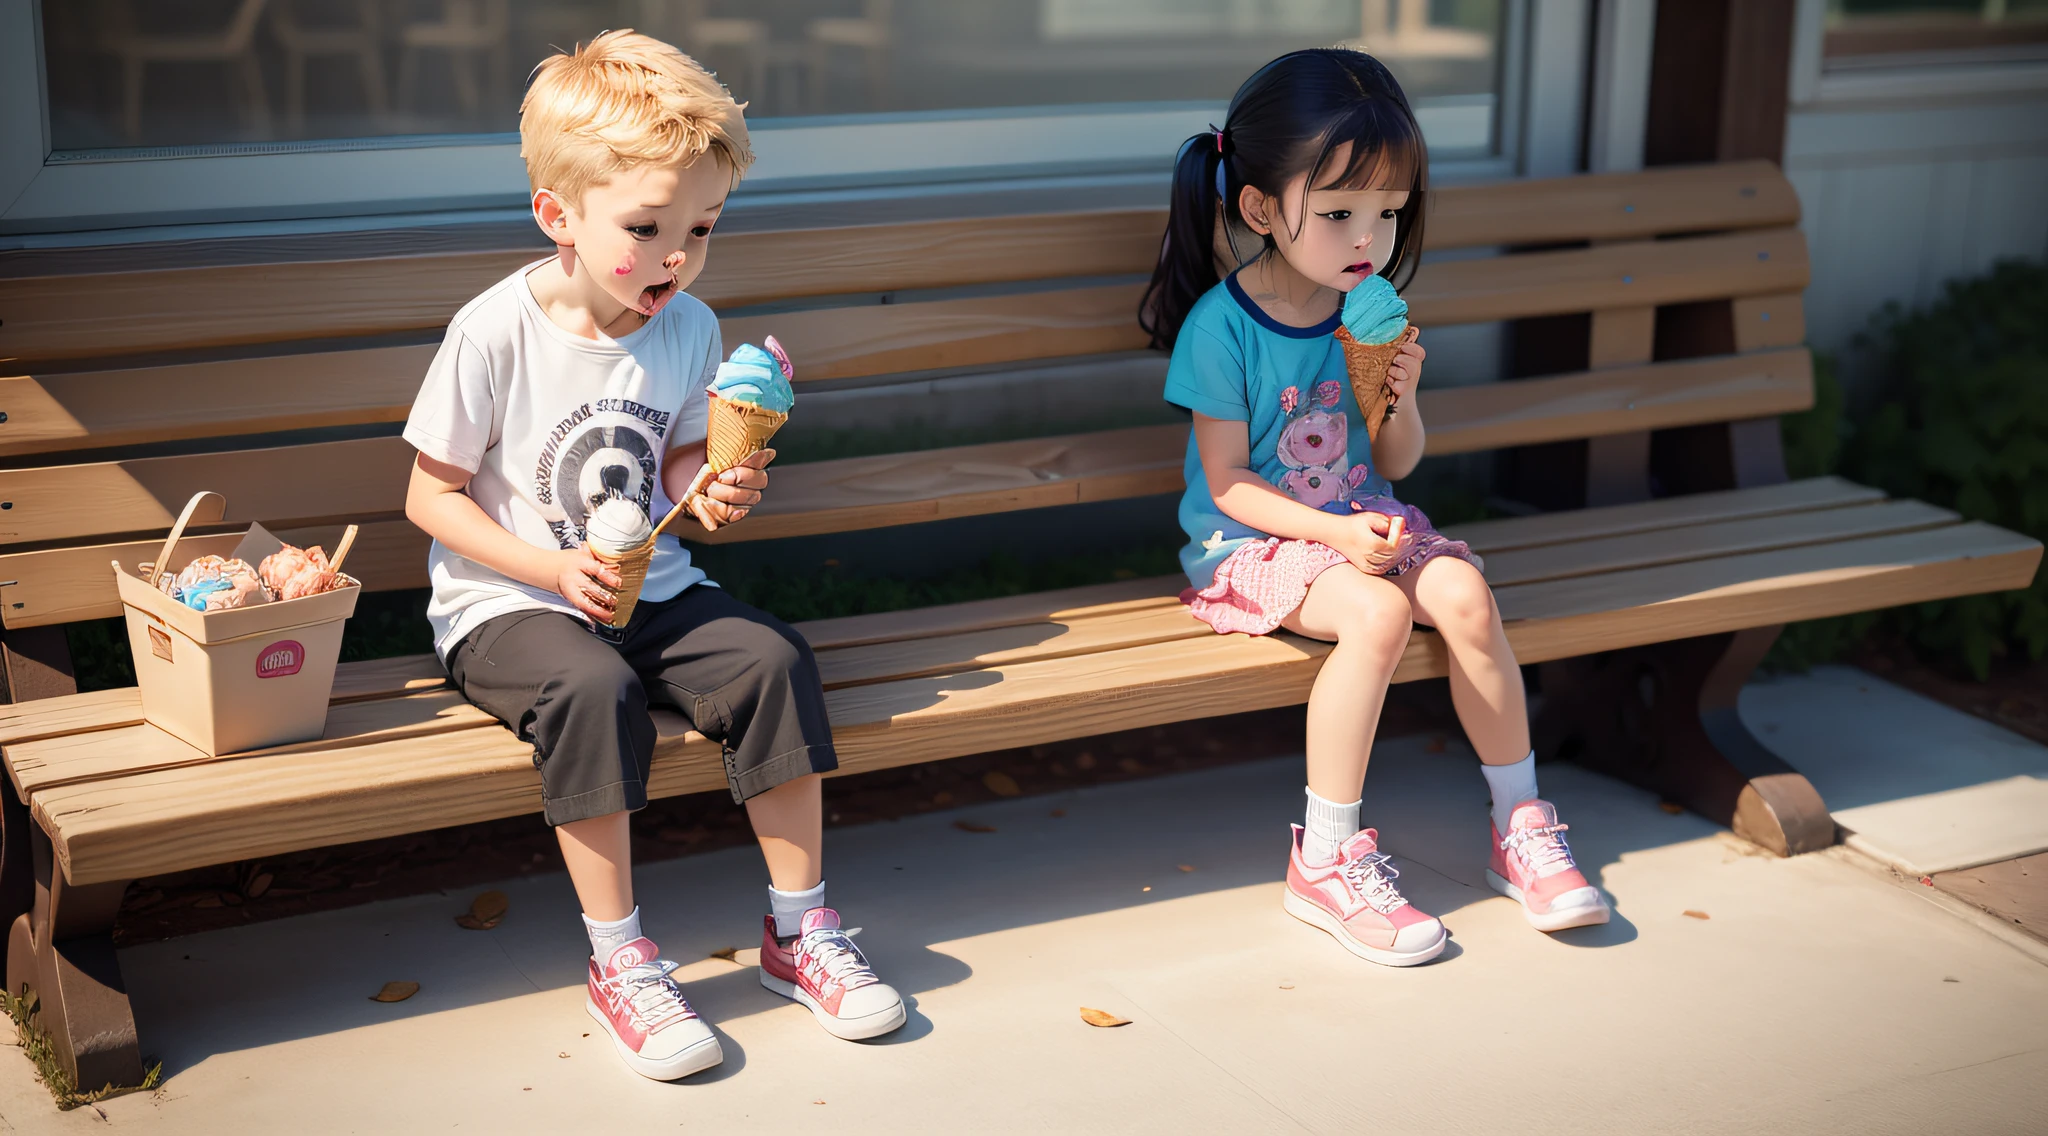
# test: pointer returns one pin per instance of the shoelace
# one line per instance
(831, 950)
(653, 996)
(1542, 847)
(1372, 875)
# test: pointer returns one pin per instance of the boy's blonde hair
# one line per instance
(620, 101)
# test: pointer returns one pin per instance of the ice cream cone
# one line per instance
(1367, 365)
(631, 565)
(737, 430)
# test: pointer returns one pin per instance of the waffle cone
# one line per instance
(1367, 365)
(736, 431)
(631, 566)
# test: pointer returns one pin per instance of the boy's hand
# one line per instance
(1406, 370)
(587, 583)
(733, 494)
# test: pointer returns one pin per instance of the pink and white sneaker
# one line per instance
(1532, 866)
(651, 1023)
(821, 968)
(1355, 900)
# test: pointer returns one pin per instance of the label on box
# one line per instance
(160, 643)
(280, 659)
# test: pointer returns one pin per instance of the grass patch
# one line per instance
(42, 1053)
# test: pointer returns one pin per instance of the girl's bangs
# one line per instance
(1386, 150)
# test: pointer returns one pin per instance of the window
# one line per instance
(1885, 33)
(310, 108)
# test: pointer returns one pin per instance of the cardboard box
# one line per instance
(240, 679)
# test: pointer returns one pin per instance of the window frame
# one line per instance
(1989, 72)
(45, 196)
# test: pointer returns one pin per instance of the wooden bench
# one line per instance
(138, 384)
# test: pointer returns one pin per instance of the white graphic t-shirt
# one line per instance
(549, 424)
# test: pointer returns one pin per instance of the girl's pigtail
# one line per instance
(1187, 264)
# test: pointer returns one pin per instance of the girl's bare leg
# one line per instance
(1369, 620)
(789, 822)
(599, 856)
(1486, 684)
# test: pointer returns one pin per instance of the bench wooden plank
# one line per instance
(855, 494)
(46, 316)
(187, 817)
(51, 412)
(54, 411)
(1620, 400)
(281, 485)
(1577, 525)
(38, 765)
(1632, 274)
(63, 585)
(367, 476)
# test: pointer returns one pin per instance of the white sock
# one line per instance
(608, 937)
(1510, 785)
(788, 908)
(1329, 825)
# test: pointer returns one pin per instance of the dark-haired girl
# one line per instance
(1316, 181)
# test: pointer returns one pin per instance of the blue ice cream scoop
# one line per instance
(1374, 312)
(754, 377)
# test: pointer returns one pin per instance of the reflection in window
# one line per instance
(1862, 32)
(222, 73)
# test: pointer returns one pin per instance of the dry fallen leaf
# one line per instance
(1187, 867)
(1102, 1018)
(1287, 986)
(1084, 760)
(396, 992)
(562, 1054)
(1147, 887)
(726, 953)
(259, 885)
(485, 912)
(942, 798)
(1001, 784)
(1690, 914)
(1672, 807)
(970, 826)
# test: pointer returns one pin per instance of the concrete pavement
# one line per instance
(1817, 995)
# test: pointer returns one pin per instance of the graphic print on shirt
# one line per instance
(608, 449)
(1314, 447)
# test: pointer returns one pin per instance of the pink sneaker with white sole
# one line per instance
(821, 968)
(1533, 866)
(649, 1020)
(1355, 900)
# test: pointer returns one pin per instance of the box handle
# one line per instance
(215, 507)
(348, 541)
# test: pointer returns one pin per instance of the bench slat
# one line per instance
(367, 476)
(171, 819)
(39, 765)
(68, 316)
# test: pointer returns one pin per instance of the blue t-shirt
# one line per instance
(1289, 387)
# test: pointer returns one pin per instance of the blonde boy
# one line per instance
(580, 379)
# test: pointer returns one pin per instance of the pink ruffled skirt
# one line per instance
(1262, 582)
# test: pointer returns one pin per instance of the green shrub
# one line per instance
(1955, 413)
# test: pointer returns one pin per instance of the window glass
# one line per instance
(1882, 31)
(243, 75)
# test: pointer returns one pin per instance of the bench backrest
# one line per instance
(129, 387)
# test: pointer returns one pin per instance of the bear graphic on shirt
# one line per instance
(1314, 446)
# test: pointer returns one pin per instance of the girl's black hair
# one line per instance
(1283, 122)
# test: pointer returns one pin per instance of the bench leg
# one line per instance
(63, 951)
(17, 868)
(1664, 717)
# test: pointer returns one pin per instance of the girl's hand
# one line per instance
(1364, 541)
(587, 583)
(1406, 370)
(733, 494)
